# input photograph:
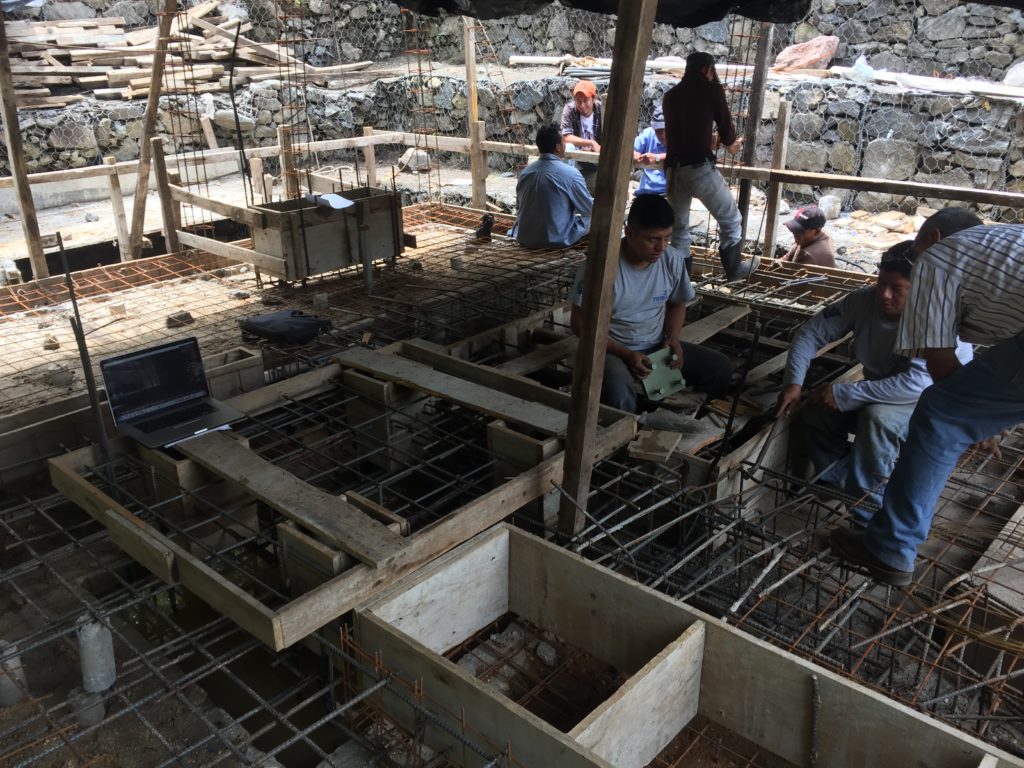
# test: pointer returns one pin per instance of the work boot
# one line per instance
(732, 261)
(849, 546)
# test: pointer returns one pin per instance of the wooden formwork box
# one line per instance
(681, 662)
(346, 548)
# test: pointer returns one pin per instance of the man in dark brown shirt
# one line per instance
(812, 245)
(692, 109)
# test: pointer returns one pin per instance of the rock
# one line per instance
(843, 158)
(59, 375)
(547, 653)
(947, 26)
(830, 206)
(814, 54)
(179, 319)
(239, 294)
(770, 107)
(225, 118)
(67, 11)
(806, 126)
(91, 217)
(351, 754)
(889, 159)
(50, 342)
(807, 156)
(69, 134)
(270, 301)
(1015, 75)
(415, 160)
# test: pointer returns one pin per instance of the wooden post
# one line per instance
(117, 203)
(288, 173)
(268, 187)
(256, 177)
(370, 160)
(478, 164)
(148, 126)
(174, 178)
(16, 158)
(632, 42)
(208, 134)
(755, 105)
(469, 43)
(166, 203)
(771, 208)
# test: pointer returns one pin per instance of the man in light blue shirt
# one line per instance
(553, 206)
(649, 149)
(877, 409)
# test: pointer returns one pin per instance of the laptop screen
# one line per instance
(151, 380)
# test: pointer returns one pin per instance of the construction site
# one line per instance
(423, 542)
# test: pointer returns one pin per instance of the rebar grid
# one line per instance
(950, 646)
(425, 295)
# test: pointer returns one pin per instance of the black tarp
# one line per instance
(678, 13)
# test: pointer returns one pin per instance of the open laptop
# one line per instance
(160, 396)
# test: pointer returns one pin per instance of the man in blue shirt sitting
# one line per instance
(649, 149)
(553, 206)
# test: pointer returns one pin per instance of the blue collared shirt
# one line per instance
(652, 181)
(553, 206)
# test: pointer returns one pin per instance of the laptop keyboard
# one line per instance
(177, 416)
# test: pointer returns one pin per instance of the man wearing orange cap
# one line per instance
(581, 126)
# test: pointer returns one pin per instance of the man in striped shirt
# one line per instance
(970, 285)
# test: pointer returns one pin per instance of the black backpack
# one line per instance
(289, 326)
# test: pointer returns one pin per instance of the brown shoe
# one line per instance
(849, 546)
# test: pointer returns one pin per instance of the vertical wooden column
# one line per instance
(166, 202)
(16, 159)
(478, 164)
(632, 43)
(149, 124)
(208, 133)
(256, 177)
(755, 105)
(469, 43)
(771, 208)
(117, 203)
(288, 174)
(370, 159)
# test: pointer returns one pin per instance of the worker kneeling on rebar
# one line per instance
(648, 311)
(875, 410)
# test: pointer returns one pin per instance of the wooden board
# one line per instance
(424, 378)
(706, 327)
(654, 445)
(329, 517)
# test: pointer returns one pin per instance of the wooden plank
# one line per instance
(296, 387)
(428, 610)
(370, 160)
(437, 357)
(380, 513)
(651, 708)
(706, 327)
(534, 742)
(272, 264)
(326, 561)
(633, 31)
(343, 593)
(654, 445)
(780, 150)
(778, 362)
(330, 517)
(478, 164)
(228, 210)
(480, 398)
(542, 357)
(275, 54)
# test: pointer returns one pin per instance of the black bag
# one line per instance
(289, 326)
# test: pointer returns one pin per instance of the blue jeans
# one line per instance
(860, 469)
(978, 401)
(707, 370)
(706, 184)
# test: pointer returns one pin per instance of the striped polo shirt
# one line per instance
(970, 285)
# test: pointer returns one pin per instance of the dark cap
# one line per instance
(699, 60)
(808, 217)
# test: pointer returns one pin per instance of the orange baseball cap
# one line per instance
(586, 87)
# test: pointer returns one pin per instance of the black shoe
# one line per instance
(849, 546)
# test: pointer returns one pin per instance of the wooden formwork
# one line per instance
(678, 662)
(358, 548)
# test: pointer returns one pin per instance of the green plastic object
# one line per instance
(662, 381)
